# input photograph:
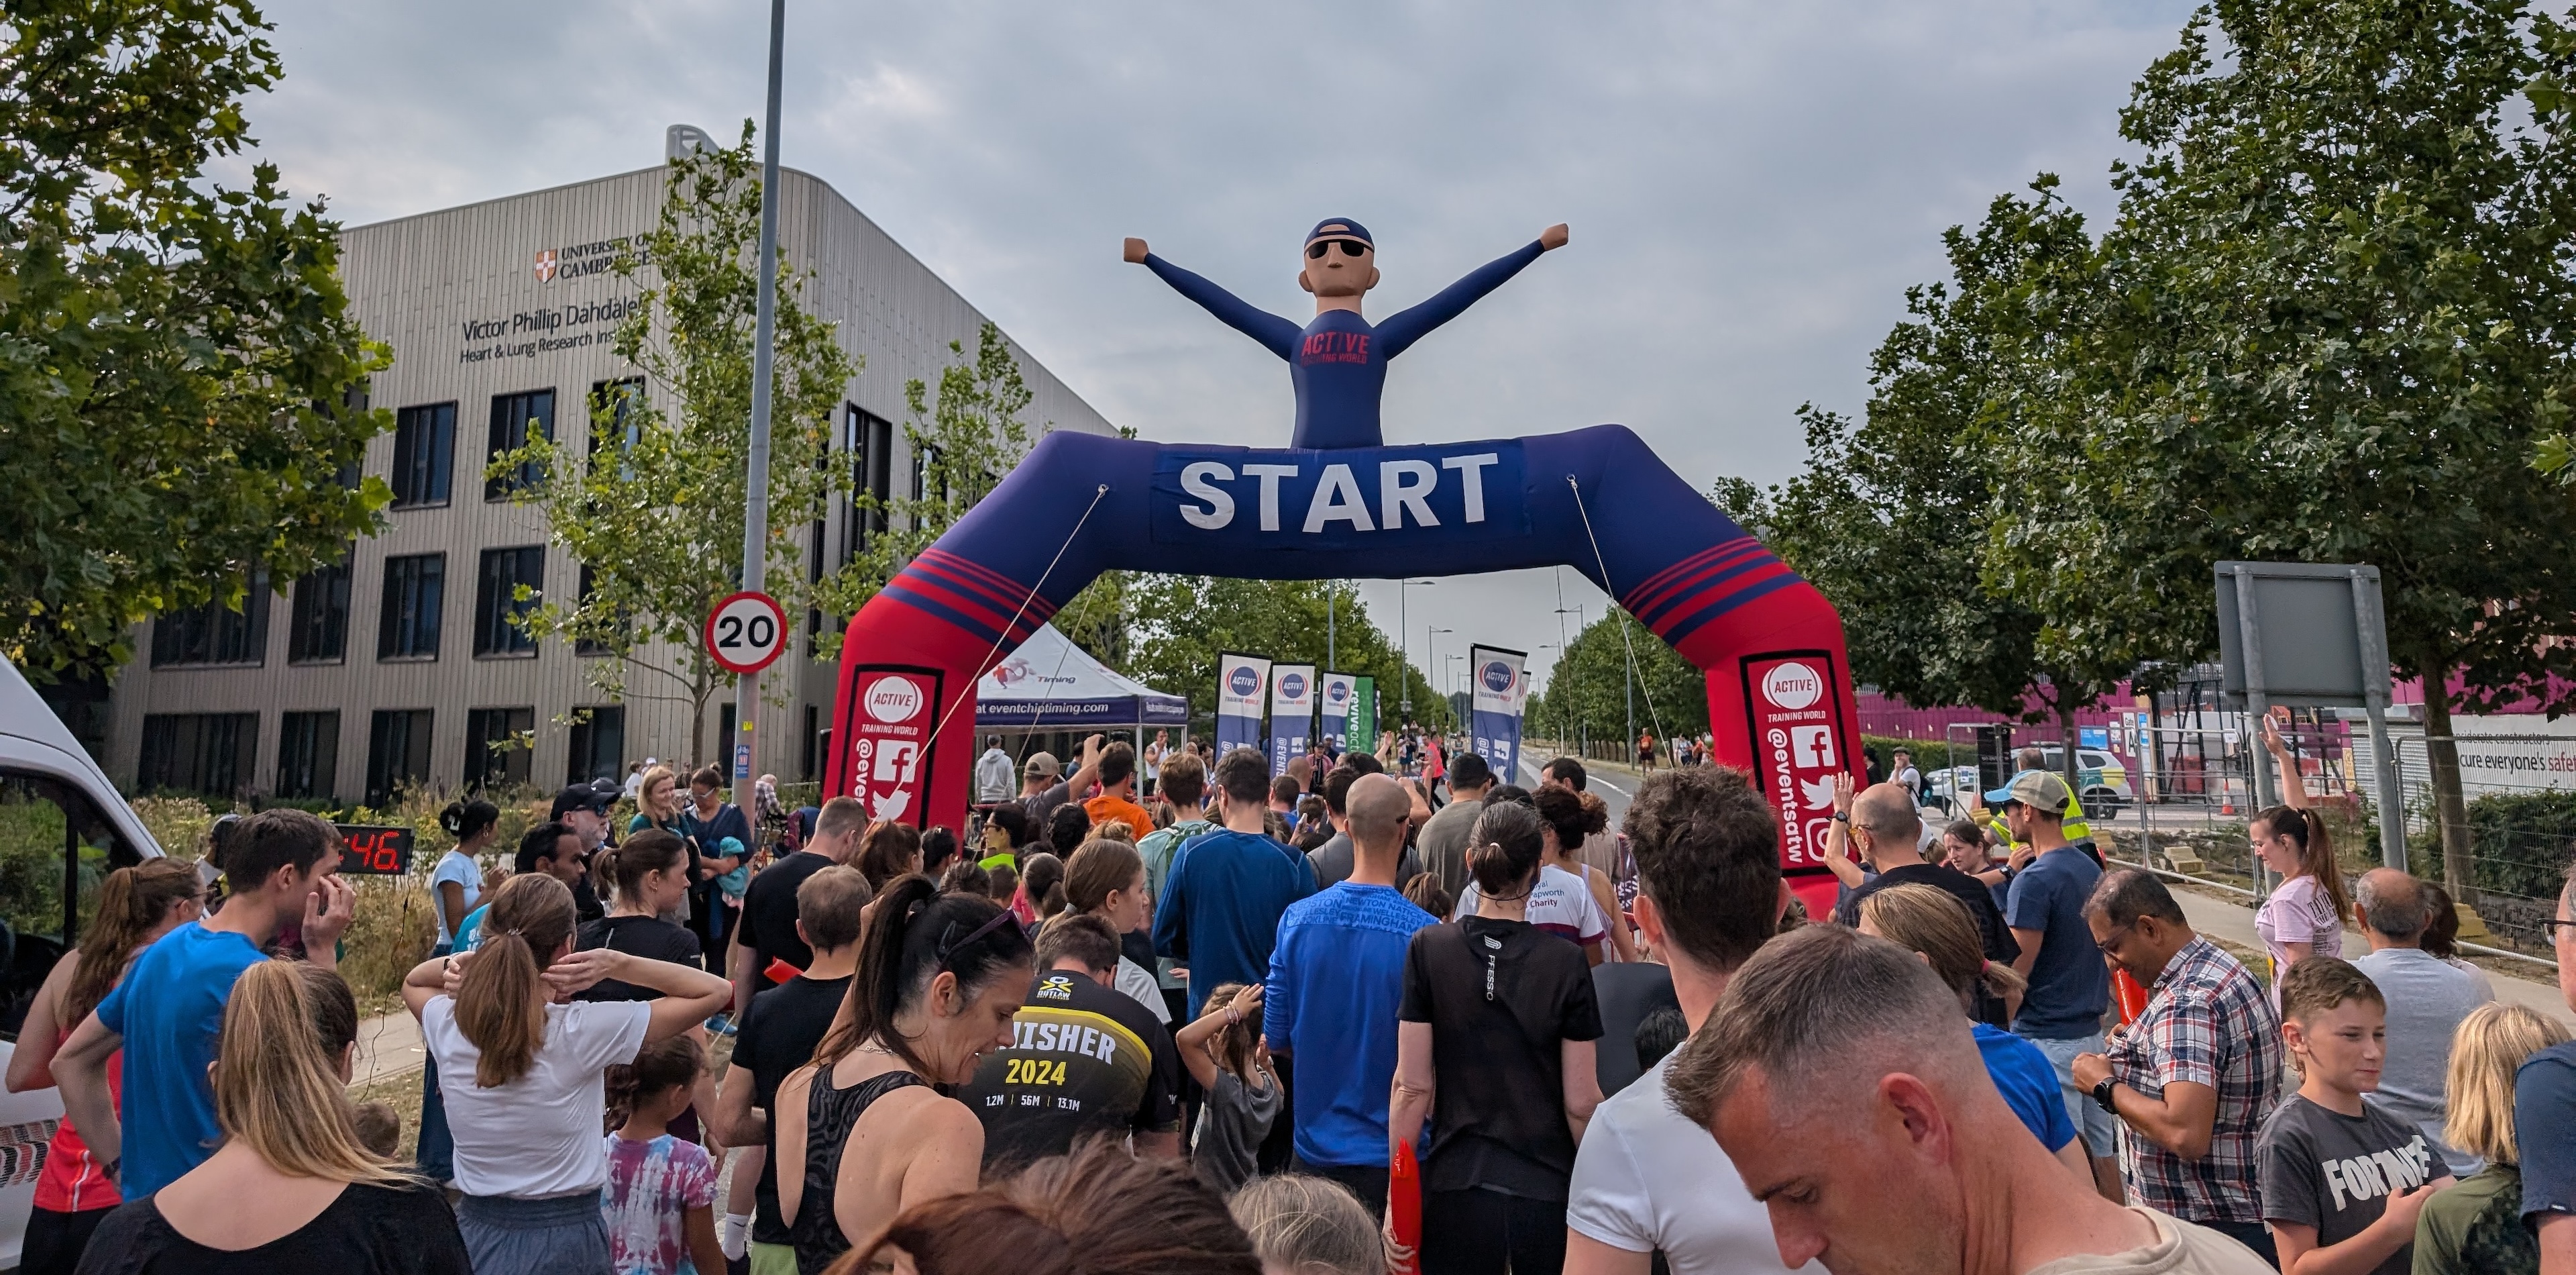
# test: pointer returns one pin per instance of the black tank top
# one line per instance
(830, 1114)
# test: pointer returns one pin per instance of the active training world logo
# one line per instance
(1243, 681)
(894, 699)
(1291, 686)
(1498, 677)
(1336, 692)
(1793, 685)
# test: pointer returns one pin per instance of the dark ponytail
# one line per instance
(919, 933)
(1503, 850)
(466, 820)
(2316, 851)
(653, 850)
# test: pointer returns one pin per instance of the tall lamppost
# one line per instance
(1403, 638)
(755, 513)
(1431, 658)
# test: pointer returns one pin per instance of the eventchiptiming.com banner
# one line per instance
(1242, 683)
(1292, 713)
(1494, 707)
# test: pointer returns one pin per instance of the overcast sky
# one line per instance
(1751, 186)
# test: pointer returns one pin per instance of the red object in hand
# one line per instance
(1404, 1207)
(2132, 998)
(780, 971)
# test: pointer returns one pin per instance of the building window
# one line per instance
(424, 454)
(591, 645)
(308, 755)
(211, 753)
(870, 443)
(214, 633)
(598, 744)
(499, 611)
(320, 632)
(621, 402)
(813, 743)
(397, 752)
(517, 418)
(496, 746)
(415, 588)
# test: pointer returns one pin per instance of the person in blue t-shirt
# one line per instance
(2070, 987)
(1336, 982)
(1337, 363)
(1225, 892)
(169, 1011)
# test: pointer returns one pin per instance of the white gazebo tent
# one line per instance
(1051, 687)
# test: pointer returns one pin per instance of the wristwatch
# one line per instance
(1842, 816)
(2102, 1095)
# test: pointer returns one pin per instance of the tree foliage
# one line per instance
(650, 497)
(181, 388)
(1588, 697)
(1177, 626)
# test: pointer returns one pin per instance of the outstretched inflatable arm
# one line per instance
(1275, 334)
(1407, 326)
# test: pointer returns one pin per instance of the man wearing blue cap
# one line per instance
(2070, 987)
(1337, 363)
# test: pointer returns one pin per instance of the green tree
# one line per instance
(2340, 330)
(1891, 519)
(182, 392)
(1588, 693)
(1178, 625)
(649, 498)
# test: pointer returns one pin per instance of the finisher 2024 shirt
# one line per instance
(2334, 1172)
(1084, 1059)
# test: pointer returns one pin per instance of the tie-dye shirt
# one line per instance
(651, 1187)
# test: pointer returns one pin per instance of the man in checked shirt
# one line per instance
(2193, 1078)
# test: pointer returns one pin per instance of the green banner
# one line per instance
(1361, 733)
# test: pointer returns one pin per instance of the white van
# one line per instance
(63, 828)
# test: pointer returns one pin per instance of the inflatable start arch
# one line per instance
(1597, 500)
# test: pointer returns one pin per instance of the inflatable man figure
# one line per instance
(1338, 362)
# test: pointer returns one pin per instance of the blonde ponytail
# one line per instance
(276, 1091)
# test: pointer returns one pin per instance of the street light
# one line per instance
(1430, 655)
(1403, 675)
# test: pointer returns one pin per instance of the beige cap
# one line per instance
(1041, 766)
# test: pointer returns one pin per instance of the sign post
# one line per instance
(2311, 633)
(744, 634)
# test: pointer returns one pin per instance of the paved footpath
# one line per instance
(387, 1046)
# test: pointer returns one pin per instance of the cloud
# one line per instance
(1752, 186)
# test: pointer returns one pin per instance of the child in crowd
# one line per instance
(1658, 1034)
(2340, 1179)
(2476, 1227)
(1303, 1225)
(1425, 892)
(1227, 1057)
(660, 1201)
(379, 1129)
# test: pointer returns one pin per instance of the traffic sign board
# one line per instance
(746, 631)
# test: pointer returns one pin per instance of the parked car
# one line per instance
(2103, 782)
(63, 828)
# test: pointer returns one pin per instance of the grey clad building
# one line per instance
(401, 666)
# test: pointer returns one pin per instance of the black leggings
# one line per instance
(55, 1241)
(1479, 1232)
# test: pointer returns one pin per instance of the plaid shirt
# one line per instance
(2207, 1022)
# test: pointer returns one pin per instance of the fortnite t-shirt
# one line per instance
(2324, 1169)
(1084, 1058)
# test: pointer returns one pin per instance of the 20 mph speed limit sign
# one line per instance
(746, 631)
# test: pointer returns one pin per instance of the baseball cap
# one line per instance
(2035, 788)
(1041, 765)
(1340, 228)
(588, 796)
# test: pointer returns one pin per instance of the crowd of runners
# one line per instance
(1348, 1019)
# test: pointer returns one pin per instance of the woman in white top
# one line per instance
(524, 1073)
(456, 884)
(2304, 915)
(1558, 902)
(1106, 878)
(1565, 819)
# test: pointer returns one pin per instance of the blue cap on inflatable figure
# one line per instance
(1340, 228)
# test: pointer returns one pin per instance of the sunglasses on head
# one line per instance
(1350, 248)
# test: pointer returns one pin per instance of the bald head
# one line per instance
(1377, 808)
(2395, 905)
(1887, 811)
